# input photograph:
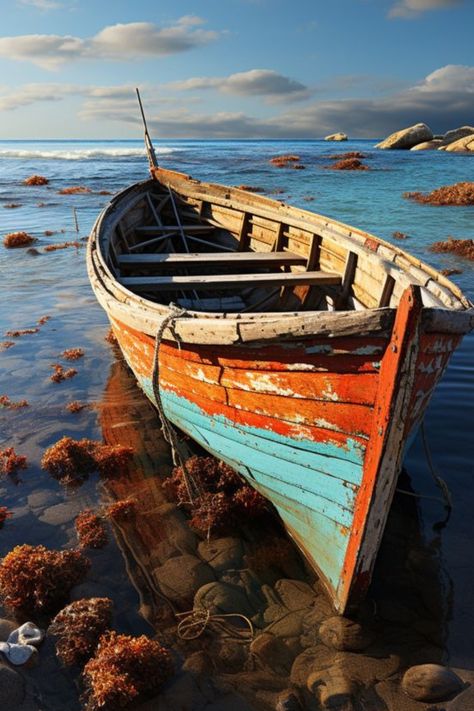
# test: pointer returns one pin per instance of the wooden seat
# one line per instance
(225, 259)
(228, 281)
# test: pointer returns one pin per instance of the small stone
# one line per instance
(344, 634)
(288, 701)
(42, 499)
(60, 514)
(431, 682)
(222, 553)
(181, 576)
(295, 594)
(272, 653)
(223, 598)
(289, 625)
(12, 688)
(198, 663)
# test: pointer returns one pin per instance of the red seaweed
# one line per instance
(6, 402)
(73, 353)
(4, 514)
(122, 511)
(91, 530)
(11, 462)
(60, 374)
(78, 628)
(72, 460)
(36, 180)
(461, 247)
(457, 194)
(18, 239)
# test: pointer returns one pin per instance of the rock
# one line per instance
(456, 134)
(288, 701)
(60, 514)
(390, 696)
(295, 594)
(42, 499)
(229, 656)
(336, 137)
(344, 634)
(6, 628)
(289, 625)
(407, 137)
(272, 653)
(465, 144)
(181, 576)
(431, 682)
(198, 663)
(222, 553)
(311, 660)
(12, 688)
(463, 702)
(428, 145)
(366, 670)
(223, 598)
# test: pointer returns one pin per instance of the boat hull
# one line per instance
(308, 423)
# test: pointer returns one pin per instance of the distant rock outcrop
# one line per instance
(407, 137)
(456, 133)
(336, 137)
(464, 145)
(428, 145)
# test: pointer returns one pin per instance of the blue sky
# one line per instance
(234, 68)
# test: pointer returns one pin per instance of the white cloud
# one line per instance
(408, 9)
(42, 4)
(119, 42)
(255, 82)
(451, 78)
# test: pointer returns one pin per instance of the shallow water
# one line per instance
(55, 284)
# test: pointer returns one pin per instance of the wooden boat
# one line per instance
(299, 350)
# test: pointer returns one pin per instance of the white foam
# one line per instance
(81, 153)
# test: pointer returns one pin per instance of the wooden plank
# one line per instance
(347, 282)
(243, 236)
(387, 291)
(219, 258)
(227, 281)
(157, 229)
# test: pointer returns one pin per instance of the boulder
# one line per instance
(222, 553)
(181, 576)
(12, 688)
(431, 682)
(313, 659)
(456, 134)
(336, 137)
(464, 145)
(295, 594)
(6, 628)
(345, 635)
(428, 145)
(334, 689)
(407, 137)
(223, 598)
(272, 653)
(288, 701)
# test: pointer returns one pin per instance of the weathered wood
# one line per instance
(156, 229)
(227, 281)
(244, 237)
(387, 291)
(347, 282)
(219, 258)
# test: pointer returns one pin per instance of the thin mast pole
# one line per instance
(148, 144)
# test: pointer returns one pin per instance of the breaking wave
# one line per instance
(82, 153)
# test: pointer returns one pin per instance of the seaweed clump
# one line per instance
(450, 272)
(287, 161)
(457, 194)
(74, 190)
(91, 530)
(11, 462)
(78, 628)
(222, 498)
(461, 247)
(73, 353)
(4, 514)
(349, 164)
(122, 511)
(61, 245)
(60, 374)
(399, 235)
(71, 461)
(111, 338)
(21, 332)
(349, 154)
(36, 579)
(36, 180)
(250, 188)
(75, 406)
(18, 239)
(5, 345)
(125, 669)
(6, 402)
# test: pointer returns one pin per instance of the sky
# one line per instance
(234, 68)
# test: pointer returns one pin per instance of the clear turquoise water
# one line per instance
(56, 284)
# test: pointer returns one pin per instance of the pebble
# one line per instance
(42, 499)
(181, 576)
(12, 688)
(222, 553)
(344, 634)
(60, 514)
(431, 682)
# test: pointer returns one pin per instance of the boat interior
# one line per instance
(240, 253)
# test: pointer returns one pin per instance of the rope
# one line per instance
(178, 448)
(194, 622)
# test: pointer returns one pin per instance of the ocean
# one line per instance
(55, 284)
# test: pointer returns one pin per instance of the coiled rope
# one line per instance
(194, 622)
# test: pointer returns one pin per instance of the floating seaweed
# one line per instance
(6, 402)
(450, 272)
(461, 247)
(49, 233)
(91, 530)
(104, 192)
(5, 345)
(399, 235)
(60, 374)
(61, 245)
(122, 511)
(78, 628)
(36, 579)
(111, 337)
(71, 461)
(284, 161)
(76, 406)
(36, 180)
(11, 462)
(222, 498)
(74, 190)
(73, 353)
(42, 320)
(12, 205)
(349, 164)
(4, 514)
(349, 154)
(15, 240)
(250, 188)
(21, 332)
(125, 669)
(457, 194)
(33, 251)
